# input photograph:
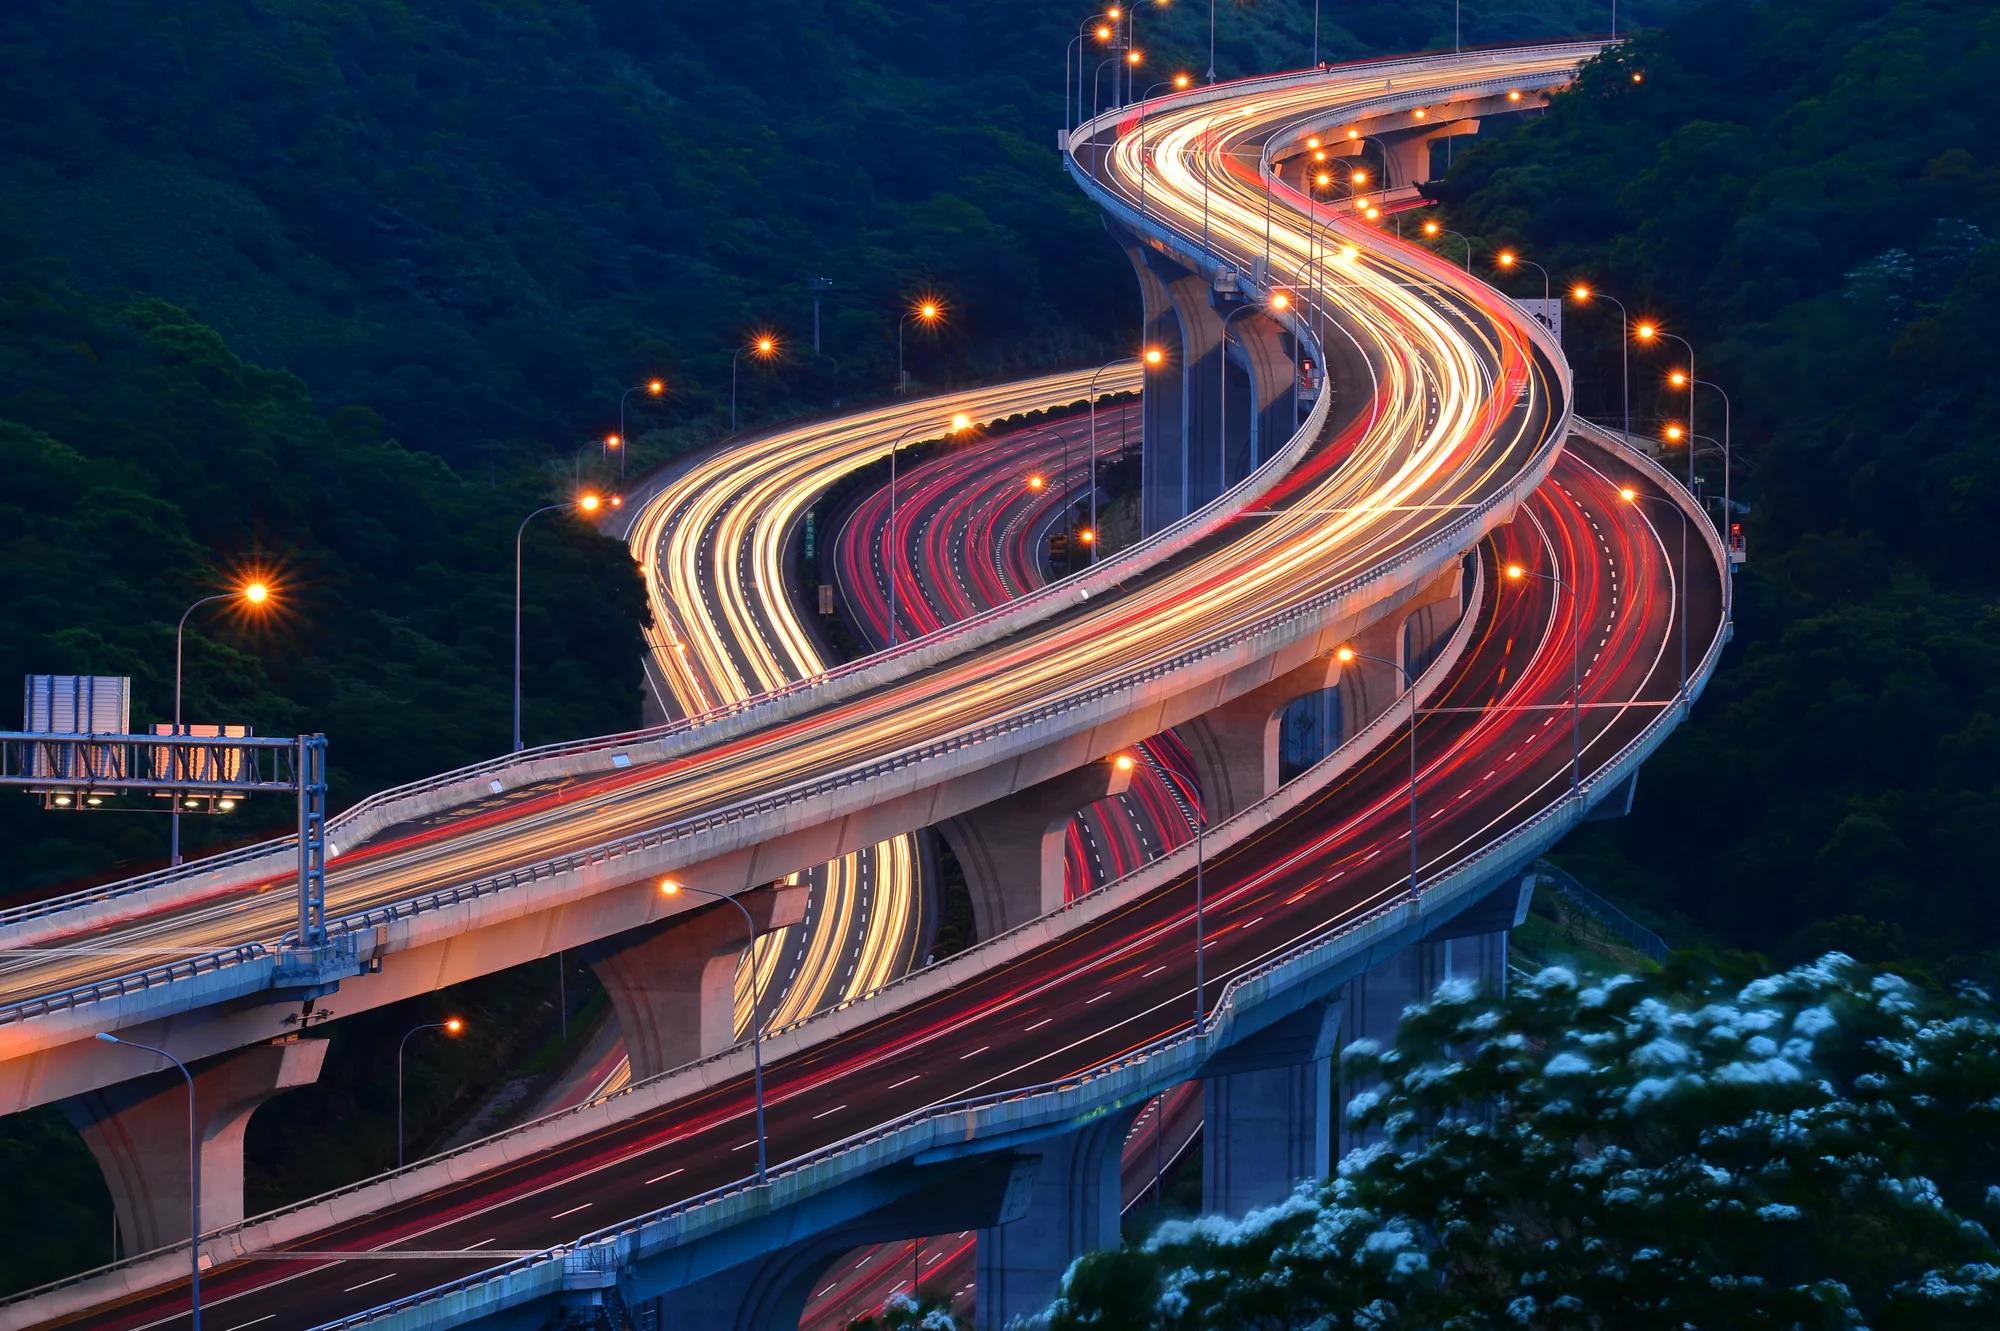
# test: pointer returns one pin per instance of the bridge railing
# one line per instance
(1189, 1046)
(1458, 532)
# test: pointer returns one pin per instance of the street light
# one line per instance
(673, 887)
(1152, 358)
(1279, 302)
(926, 311)
(194, 1177)
(1178, 82)
(1632, 496)
(1434, 228)
(585, 503)
(764, 346)
(450, 1026)
(1582, 293)
(960, 422)
(1515, 572)
(611, 443)
(255, 594)
(1509, 260)
(651, 388)
(1347, 655)
(1649, 331)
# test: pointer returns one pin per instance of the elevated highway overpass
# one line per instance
(1434, 432)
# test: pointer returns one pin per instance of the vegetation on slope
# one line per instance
(1811, 195)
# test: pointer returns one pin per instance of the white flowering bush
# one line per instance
(1814, 1149)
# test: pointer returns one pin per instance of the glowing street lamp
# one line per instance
(1278, 303)
(764, 347)
(1509, 260)
(1583, 293)
(1434, 228)
(588, 502)
(254, 593)
(1346, 656)
(670, 887)
(450, 1026)
(654, 388)
(1516, 573)
(1152, 358)
(1038, 482)
(927, 311)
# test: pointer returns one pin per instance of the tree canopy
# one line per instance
(1817, 1148)
(1810, 194)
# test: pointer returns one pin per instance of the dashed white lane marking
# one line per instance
(1038, 1025)
(662, 1178)
(825, 1112)
(350, 1289)
(572, 1210)
(905, 1081)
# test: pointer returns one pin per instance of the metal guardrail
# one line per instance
(1643, 940)
(208, 962)
(1180, 859)
(1541, 829)
(1414, 556)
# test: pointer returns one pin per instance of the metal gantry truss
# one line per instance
(81, 770)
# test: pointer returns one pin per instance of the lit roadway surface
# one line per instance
(1494, 750)
(972, 532)
(1462, 406)
(713, 540)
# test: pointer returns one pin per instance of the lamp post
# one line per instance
(1436, 229)
(450, 1026)
(1177, 82)
(588, 503)
(1103, 31)
(925, 311)
(891, 551)
(1152, 358)
(1516, 572)
(194, 1176)
(1509, 260)
(1279, 302)
(1348, 654)
(611, 443)
(651, 388)
(672, 887)
(763, 347)
(1211, 41)
(251, 594)
(1728, 512)
(1632, 496)
(1648, 331)
(1583, 294)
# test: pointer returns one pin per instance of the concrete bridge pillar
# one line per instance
(1267, 1111)
(1073, 1206)
(138, 1132)
(673, 983)
(1471, 947)
(1235, 746)
(1422, 622)
(1409, 155)
(1012, 849)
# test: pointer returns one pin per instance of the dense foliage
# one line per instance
(146, 466)
(1814, 1149)
(1810, 193)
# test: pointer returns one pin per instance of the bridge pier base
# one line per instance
(1267, 1112)
(138, 1132)
(1073, 1206)
(1235, 746)
(1012, 849)
(672, 983)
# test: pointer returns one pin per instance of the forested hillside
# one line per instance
(1810, 193)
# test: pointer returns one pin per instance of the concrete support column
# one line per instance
(1267, 1110)
(1235, 746)
(1369, 689)
(1471, 947)
(1430, 619)
(1072, 1207)
(1409, 157)
(673, 983)
(1263, 347)
(138, 1132)
(1012, 849)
